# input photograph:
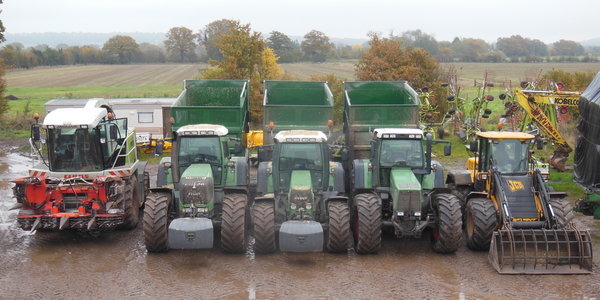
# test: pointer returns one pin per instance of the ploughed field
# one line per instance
(116, 265)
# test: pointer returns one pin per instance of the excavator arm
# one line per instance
(529, 100)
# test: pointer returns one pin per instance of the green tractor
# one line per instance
(200, 187)
(300, 204)
(399, 187)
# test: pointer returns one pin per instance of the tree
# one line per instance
(419, 39)
(210, 36)
(3, 103)
(469, 49)
(245, 56)
(122, 47)
(567, 48)
(316, 46)
(337, 89)
(514, 46)
(151, 53)
(180, 44)
(284, 47)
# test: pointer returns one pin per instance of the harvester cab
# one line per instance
(200, 187)
(527, 228)
(86, 174)
(299, 195)
(400, 187)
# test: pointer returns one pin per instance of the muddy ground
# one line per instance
(116, 265)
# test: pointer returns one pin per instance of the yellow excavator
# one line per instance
(530, 101)
(509, 210)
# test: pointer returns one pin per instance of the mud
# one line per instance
(116, 265)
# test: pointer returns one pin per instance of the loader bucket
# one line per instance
(541, 251)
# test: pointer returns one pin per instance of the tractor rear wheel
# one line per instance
(480, 223)
(338, 237)
(132, 204)
(233, 223)
(156, 221)
(367, 223)
(448, 232)
(563, 212)
(263, 220)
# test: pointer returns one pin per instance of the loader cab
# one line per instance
(397, 148)
(200, 144)
(300, 150)
(506, 152)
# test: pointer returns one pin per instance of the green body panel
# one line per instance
(428, 181)
(301, 186)
(306, 105)
(198, 171)
(376, 104)
(401, 180)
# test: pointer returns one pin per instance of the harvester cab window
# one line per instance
(401, 153)
(74, 149)
(510, 156)
(301, 156)
(200, 150)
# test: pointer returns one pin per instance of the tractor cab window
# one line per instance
(301, 156)
(510, 156)
(112, 137)
(401, 153)
(200, 150)
(74, 149)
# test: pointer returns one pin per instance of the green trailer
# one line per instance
(293, 105)
(376, 104)
(394, 183)
(203, 186)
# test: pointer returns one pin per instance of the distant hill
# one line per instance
(592, 42)
(83, 38)
(79, 38)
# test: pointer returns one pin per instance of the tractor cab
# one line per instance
(506, 152)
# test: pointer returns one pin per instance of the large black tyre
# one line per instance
(156, 221)
(462, 191)
(367, 223)
(480, 223)
(447, 235)
(263, 220)
(132, 204)
(233, 223)
(563, 212)
(339, 235)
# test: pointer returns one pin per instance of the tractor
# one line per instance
(300, 204)
(199, 188)
(509, 210)
(86, 174)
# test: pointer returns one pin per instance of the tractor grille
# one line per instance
(409, 201)
(73, 200)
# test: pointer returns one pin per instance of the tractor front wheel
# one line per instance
(263, 220)
(481, 223)
(448, 232)
(233, 223)
(339, 236)
(563, 212)
(156, 222)
(367, 223)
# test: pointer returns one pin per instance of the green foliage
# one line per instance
(419, 39)
(517, 46)
(180, 44)
(210, 36)
(284, 47)
(567, 48)
(574, 81)
(316, 46)
(121, 46)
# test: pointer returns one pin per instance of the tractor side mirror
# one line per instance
(473, 146)
(35, 132)
(113, 132)
(447, 149)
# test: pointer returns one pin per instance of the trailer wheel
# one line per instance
(233, 223)
(448, 232)
(132, 204)
(367, 223)
(339, 236)
(480, 223)
(263, 219)
(156, 220)
(563, 212)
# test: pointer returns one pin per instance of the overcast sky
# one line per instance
(547, 20)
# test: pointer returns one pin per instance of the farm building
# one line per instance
(145, 114)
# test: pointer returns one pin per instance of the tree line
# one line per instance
(182, 44)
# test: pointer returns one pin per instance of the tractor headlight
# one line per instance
(308, 206)
(293, 206)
